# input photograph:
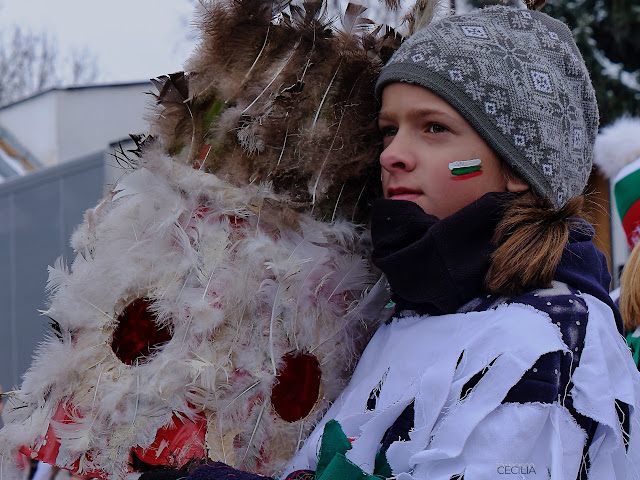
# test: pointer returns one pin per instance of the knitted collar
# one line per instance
(435, 266)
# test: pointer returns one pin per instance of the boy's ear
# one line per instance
(516, 185)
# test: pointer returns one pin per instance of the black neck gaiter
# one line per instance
(435, 266)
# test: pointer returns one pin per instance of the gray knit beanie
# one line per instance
(518, 78)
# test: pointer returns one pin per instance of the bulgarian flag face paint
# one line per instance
(463, 169)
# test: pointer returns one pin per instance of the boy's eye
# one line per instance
(388, 131)
(436, 128)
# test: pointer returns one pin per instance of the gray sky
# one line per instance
(130, 39)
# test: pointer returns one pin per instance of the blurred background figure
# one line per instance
(78, 477)
(44, 471)
(617, 154)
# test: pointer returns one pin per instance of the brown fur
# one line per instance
(530, 239)
(630, 291)
(299, 109)
(535, 4)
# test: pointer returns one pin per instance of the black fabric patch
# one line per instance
(473, 381)
(222, 471)
(460, 358)
(400, 429)
(623, 417)
(372, 401)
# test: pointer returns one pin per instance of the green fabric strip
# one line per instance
(216, 108)
(333, 465)
(465, 170)
(627, 192)
(340, 468)
(382, 467)
(634, 345)
(334, 442)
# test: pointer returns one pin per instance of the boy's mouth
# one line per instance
(401, 193)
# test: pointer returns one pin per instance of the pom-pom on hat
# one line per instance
(519, 79)
(617, 155)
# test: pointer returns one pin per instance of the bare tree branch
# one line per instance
(30, 63)
(84, 68)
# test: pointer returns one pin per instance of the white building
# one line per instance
(64, 124)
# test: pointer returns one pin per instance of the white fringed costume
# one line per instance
(474, 435)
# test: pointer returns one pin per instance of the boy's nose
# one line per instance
(397, 156)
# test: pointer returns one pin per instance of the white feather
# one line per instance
(58, 276)
(617, 145)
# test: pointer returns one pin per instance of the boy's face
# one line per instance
(422, 136)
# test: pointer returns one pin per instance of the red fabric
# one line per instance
(202, 156)
(174, 445)
(48, 453)
(631, 222)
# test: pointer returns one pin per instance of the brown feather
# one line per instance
(421, 15)
(352, 20)
(391, 4)
(535, 4)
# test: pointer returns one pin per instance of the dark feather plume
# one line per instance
(277, 92)
(535, 4)
(353, 19)
(173, 92)
(55, 327)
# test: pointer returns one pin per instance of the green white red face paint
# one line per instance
(463, 169)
